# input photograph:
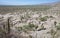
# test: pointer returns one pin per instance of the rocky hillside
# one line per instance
(43, 22)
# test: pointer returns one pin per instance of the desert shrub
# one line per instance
(29, 26)
(53, 33)
(41, 28)
(30, 36)
(2, 33)
(44, 18)
(19, 28)
(51, 16)
(25, 28)
(55, 23)
(58, 27)
(2, 30)
(22, 17)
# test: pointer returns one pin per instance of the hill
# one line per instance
(32, 21)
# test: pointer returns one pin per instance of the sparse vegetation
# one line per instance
(30, 21)
(29, 27)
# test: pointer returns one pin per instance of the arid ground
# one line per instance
(35, 21)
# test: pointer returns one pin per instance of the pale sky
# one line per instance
(25, 2)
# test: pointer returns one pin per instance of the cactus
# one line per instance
(8, 26)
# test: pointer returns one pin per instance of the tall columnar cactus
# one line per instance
(8, 29)
(8, 26)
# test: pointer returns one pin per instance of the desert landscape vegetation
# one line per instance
(30, 21)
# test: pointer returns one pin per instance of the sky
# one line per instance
(25, 2)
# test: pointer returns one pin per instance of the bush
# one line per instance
(58, 27)
(44, 18)
(29, 26)
(2, 30)
(19, 28)
(51, 17)
(53, 33)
